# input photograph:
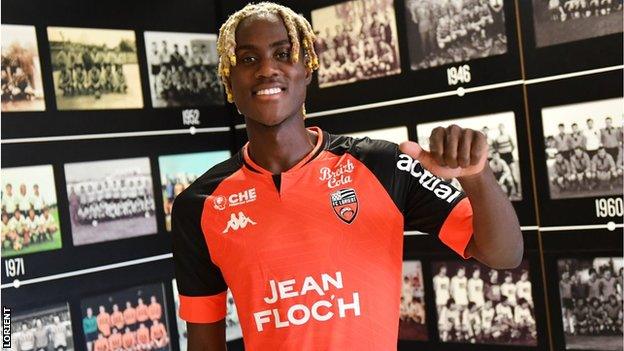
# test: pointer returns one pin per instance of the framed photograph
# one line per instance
(177, 172)
(22, 87)
(356, 40)
(503, 158)
(95, 69)
(563, 21)
(396, 135)
(232, 324)
(44, 328)
(110, 200)
(447, 32)
(30, 215)
(413, 321)
(183, 69)
(584, 148)
(590, 290)
(129, 319)
(480, 305)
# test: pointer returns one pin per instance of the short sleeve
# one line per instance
(433, 205)
(201, 286)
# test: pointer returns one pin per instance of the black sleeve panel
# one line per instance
(196, 274)
(424, 199)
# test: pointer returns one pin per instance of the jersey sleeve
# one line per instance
(202, 289)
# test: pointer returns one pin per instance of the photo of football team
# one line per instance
(95, 68)
(30, 218)
(22, 87)
(177, 172)
(564, 21)
(41, 329)
(395, 135)
(110, 200)
(129, 320)
(232, 324)
(479, 305)
(502, 139)
(584, 148)
(444, 32)
(591, 302)
(356, 40)
(412, 317)
(183, 69)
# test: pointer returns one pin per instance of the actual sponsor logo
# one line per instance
(339, 176)
(244, 197)
(237, 222)
(345, 204)
(426, 179)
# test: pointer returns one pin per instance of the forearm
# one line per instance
(497, 239)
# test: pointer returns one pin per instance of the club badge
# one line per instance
(345, 204)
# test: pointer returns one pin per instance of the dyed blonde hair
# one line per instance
(296, 25)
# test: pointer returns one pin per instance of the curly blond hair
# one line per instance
(296, 25)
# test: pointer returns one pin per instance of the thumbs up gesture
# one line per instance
(454, 152)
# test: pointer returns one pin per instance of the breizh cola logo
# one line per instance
(345, 204)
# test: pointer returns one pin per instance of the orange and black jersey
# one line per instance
(313, 256)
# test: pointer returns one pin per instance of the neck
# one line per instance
(278, 148)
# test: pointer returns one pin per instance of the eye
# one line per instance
(248, 59)
(284, 54)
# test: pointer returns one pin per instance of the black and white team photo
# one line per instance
(413, 321)
(95, 69)
(502, 139)
(356, 40)
(444, 32)
(183, 69)
(584, 148)
(480, 305)
(563, 21)
(42, 329)
(591, 302)
(110, 200)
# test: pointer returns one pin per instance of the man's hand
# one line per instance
(454, 152)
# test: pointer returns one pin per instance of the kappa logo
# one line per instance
(339, 176)
(345, 204)
(221, 202)
(238, 222)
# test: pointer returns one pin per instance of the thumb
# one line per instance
(415, 151)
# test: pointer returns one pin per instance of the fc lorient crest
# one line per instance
(345, 204)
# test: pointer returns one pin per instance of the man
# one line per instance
(603, 166)
(104, 322)
(37, 200)
(577, 138)
(23, 200)
(475, 288)
(90, 329)
(154, 310)
(25, 341)
(581, 167)
(502, 172)
(561, 172)
(524, 289)
(611, 137)
(117, 319)
(41, 336)
(158, 335)
(59, 333)
(9, 200)
(266, 72)
(562, 141)
(459, 288)
(509, 289)
(592, 138)
(441, 287)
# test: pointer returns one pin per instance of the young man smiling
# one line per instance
(306, 227)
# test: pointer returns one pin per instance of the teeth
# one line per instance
(269, 91)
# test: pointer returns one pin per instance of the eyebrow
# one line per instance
(272, 45)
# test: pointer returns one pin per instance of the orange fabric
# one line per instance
(143, 335)
(114, 341)
(154, 310)
(141, 313)
(117, 320)
(129, 315)
(457, 228)
(203, 309)
(104, 323)
(128, 340)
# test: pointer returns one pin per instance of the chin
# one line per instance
(271, 120)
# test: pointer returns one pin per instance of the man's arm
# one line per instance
(462, 153)
(206, 336)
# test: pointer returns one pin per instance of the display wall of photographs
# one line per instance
(183, 69)
(129, 319)
(584, 148)
(22, 86)
(412, 317)
(44, 328)
(356, 40)
(110, 200)
(590, 291)
(30, 215)
(503, 158)
(95, 69)
(396, 135)
(445, 32)
(232, 323)
(480, 305)
(177, 172)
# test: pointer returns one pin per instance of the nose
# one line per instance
(267, 68)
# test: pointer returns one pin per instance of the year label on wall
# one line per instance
(14, 267)
(190, 117)
(459, 74)
(611, 207)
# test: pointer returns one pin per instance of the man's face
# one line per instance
(590, 123)
(608, 122)
(578, 152)
(602, 152)
(476, 274)
(561, 129)
(575, 128)
(461, 273)
(263, 65)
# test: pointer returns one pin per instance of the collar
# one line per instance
(318, 147)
